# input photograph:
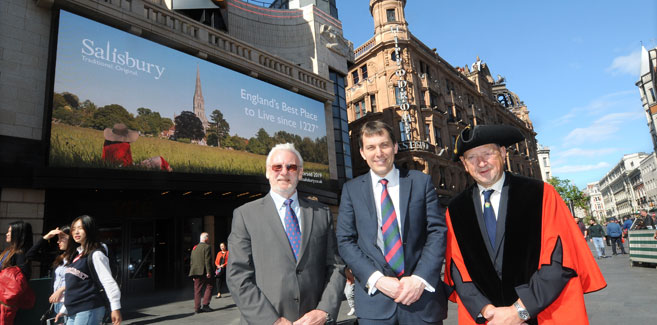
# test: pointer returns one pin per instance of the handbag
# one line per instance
(15, 291)
(48, 318)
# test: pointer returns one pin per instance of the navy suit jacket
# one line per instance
(423, 236)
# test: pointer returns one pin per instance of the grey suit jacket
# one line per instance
(263, 277)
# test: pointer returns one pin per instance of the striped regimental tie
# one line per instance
(392, 244)
(292, 228)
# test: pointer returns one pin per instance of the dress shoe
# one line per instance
(206, 309)
(198, 311)
(351, 312)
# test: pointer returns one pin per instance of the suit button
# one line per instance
(298, 271)
(296, 299)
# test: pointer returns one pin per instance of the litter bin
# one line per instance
(643, 247)
(42, 291)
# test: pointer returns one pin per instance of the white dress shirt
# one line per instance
(393, 191)
(279, 203)
(494, 197)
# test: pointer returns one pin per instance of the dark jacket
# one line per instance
(201, 262)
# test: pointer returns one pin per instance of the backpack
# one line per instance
(107, 318)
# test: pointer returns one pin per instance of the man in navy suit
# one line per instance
(391, 232)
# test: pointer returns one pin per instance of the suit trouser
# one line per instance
(401, 317)
(199, 282)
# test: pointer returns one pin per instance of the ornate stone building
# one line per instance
(400, 80)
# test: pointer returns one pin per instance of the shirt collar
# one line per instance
(279, 200)
(497, 186)
(392, 176)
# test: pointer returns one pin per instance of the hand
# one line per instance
(58, 316)
(52, 233)
(56, 296)
(208, 275)
(487, 311)
(504, 316)
(411, 290)
(116, 317)
(313, 317)
(389, 286)
(282, 321)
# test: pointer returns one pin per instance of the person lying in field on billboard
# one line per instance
(116, 149)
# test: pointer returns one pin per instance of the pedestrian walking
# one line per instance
(615, 233)
(58, 282)
(596, 233)
(220, 262)
(87, 271)
(201, 271)
(15, 271)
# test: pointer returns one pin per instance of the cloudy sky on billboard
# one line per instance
(109, 66)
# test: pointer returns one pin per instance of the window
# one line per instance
(393, 56)
(427, 131)
(390, 13)
(433, 99)
(402, 131)
(373, 103)
(545, 161)
(359, 108)
(397, 96)
(438, 137)
(363, 71)
(354, 76)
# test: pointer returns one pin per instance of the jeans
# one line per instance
(87, 317)
(599, 246)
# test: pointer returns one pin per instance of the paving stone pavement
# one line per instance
(629, 298)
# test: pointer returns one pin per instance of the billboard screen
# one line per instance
(121, 101)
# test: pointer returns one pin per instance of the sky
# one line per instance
(85, 69)
(573, 63)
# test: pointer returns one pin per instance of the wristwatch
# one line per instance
(522, 312)
(329, 320)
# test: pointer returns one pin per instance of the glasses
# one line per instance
(279, 167)
(474, 159)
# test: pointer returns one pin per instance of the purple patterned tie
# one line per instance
(392, 244)
(292, 228)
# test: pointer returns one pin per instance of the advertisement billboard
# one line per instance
(121, 101)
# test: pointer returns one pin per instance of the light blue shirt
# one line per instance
(279, 203)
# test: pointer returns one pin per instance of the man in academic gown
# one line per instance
(514, 256)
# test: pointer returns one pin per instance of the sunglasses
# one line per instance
(290, 167)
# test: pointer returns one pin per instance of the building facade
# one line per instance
(648, 170)
(398, 79)
(619, 196)
(543, 154)
(647, 89)
(596, 202)
(151, 219)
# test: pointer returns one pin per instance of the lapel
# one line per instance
(501, 218)
(273, 221)
(368, 196)
(405, 185)
(307, 217)
(476, 198)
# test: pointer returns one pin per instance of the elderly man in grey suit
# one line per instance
(283, 264)
(201, 270)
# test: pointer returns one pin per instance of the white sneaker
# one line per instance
(351, 312)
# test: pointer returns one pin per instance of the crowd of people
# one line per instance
(510, 251)
(83, 288)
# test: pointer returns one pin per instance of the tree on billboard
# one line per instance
(261, 143)
(236, 142)
(219, 129)
(71, 99)
(149, 122)
(108, 115)
(189, 126)
(286, 137)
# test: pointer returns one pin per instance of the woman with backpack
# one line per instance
(19, 237)
(84, 300)
(58, 266)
